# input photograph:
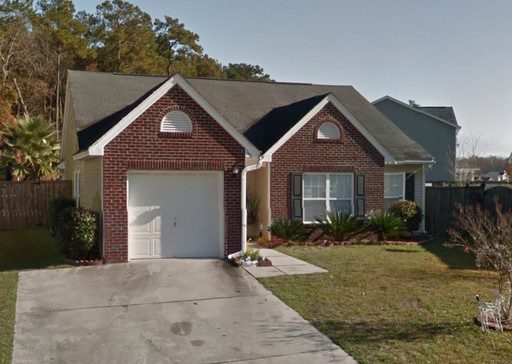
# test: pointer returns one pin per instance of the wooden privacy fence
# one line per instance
(441, 203)
(25, 204)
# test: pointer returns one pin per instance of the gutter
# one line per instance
(243, 201)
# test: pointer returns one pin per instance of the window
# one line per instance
(176, 122)
(326, 192)
(394, 188)
(76, 186)
(328, 131)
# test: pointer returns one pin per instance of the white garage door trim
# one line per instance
(220, 194)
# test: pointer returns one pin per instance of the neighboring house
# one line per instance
(495, 176)
(434, 128)
(168, 161)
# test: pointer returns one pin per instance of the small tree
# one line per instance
(31, 149)
(488, 236)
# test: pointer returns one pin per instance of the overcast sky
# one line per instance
(456, 53)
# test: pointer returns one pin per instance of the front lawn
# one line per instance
(20, 249)
(405, 304)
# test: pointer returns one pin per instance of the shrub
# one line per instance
(488, 235)
(289, 230)
(409, 212)
(78, 233)
(339, 225)
(386, 225)
(57, 206)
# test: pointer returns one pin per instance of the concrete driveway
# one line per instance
(186, 311)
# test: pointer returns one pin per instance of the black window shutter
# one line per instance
(409, 186)
(297, 196)
(359, 195)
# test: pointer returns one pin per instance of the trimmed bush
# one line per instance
(289, 230)
(78, 233)
(57, 206)
(409, 212)
(339, 225)
(386, 225)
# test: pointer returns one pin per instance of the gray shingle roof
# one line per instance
(443, 112)
(100, 100)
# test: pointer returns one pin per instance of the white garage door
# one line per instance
(175, 215)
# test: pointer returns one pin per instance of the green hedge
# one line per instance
(76, 228)
(57, 206)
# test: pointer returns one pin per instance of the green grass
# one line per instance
(20, 249)
(406, 304)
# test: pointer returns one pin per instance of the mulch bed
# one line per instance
(363, 239)
(83, 262)
(507, 326)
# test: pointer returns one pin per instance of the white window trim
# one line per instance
(77, 186)
(327, 193)
(402, 196)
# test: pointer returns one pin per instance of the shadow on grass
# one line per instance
(454, 258)
(401, 250)
(374, 334)
(28, 249)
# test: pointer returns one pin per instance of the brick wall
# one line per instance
(302, 153)
(141, 146)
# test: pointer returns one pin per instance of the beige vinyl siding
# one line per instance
(90, 183)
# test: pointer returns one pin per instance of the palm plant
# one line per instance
(386, 225)
(289, 230)
(339, 225)
(31, 149)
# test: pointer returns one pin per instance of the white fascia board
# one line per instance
(267, 157)
(268, 154)
(387, 97)
(81, 155)
(98, 147)
(414, 162)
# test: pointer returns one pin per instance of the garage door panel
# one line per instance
(178, 212)
(141, 247)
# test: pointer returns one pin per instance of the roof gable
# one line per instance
(259, 112)
(145, 102)
(444, 114)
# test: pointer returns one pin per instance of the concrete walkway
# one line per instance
(282, 264)
(160, 311)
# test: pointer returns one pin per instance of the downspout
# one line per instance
(243, 204)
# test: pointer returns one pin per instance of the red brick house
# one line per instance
(168, 161)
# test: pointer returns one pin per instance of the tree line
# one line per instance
(40, 41)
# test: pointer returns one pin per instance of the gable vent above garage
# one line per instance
(176, 122)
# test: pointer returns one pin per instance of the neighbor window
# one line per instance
(328, 131)
(394, 188)
(326, 192)
(176, 122)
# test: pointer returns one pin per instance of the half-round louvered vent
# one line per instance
(176, 122)
(328, 130)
